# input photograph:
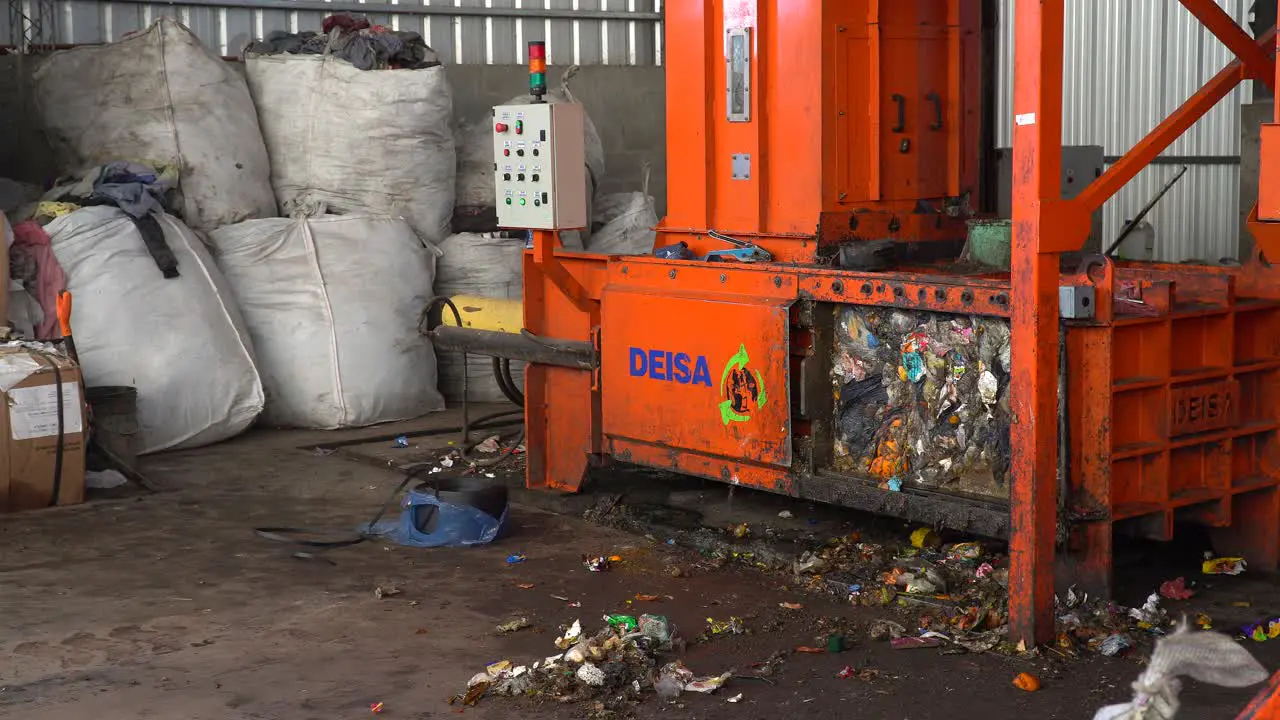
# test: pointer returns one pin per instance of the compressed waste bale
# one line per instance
(161, 98)
(923, 399)
(487, 265)
(332, 304)
(352, 140)
(179, 340)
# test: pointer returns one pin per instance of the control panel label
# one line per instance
(1204, 407)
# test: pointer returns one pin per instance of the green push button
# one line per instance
(508, 201)
(522, 201)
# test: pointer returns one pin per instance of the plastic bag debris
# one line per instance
(625, 623)
(732, 626)
(1208, 657)
(671, 680)
(1150, 615)
(1223, 566)
(925, 538)
(1262, 630)
(513, 559)
(1115, 644)
(570, 636)
(590, 674)
(1026, 681)
(914, 643)
(400, 442)
(514, 625)
(386, 591)
(490, 445)
(786, 515)
(735, 699)
(708, 684)
(656, 628)
(1176, 589)
(599, 563)
(887, 630)
(809, 563)
(104, 480)
(498, 669)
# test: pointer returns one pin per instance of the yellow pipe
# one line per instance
(483, 313)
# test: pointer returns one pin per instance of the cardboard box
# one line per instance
(29, 430)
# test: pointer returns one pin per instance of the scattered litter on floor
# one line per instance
(400, 442)
(377, 708)
(514, 625)
(385, 591)
(1262, 630)
(1223, 566)
(786, 515)
(104, 480)
(615, 667)
(791, 605)
(489, 445)
(1026, 681)
(526, 586)
(735, 699)
(810, 650)
(731, 626)
(1176, 589)
(519, 558)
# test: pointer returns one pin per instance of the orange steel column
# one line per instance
(1037, 159)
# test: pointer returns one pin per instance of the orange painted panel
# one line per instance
(701, 372)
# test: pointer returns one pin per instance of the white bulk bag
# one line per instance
(332, 304)
(179, 341)
(488, 266)
(378, 141)
(160, 98)
(628, 220)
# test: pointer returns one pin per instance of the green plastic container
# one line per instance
(990, 242)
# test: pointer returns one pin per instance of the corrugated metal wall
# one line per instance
(1128, 64)
(486, 37)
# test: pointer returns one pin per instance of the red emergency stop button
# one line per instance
(500, 127)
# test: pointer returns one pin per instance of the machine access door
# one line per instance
(696, 359)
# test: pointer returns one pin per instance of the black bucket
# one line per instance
(487, 496)
(115, 421)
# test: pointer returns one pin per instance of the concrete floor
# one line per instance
(168, 606)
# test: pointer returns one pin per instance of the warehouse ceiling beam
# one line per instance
(389, 9)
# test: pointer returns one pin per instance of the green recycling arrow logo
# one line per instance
(742, 389)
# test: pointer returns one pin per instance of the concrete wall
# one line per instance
(1251, 119)
(627, 105)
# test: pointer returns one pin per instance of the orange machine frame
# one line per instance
(706, 368)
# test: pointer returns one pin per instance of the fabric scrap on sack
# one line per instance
(625, 222)
(32, 261)
(161, 98)
(383, 143)
(923, 398)
(354, 39)
(332, 304)
(181, 342)
(487, 265)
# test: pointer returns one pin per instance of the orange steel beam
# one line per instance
(1257, 60)
(1033, 391)
(1162, 136)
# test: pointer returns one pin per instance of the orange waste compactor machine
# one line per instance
(811, 328)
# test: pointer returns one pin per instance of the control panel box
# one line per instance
(539, 161)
